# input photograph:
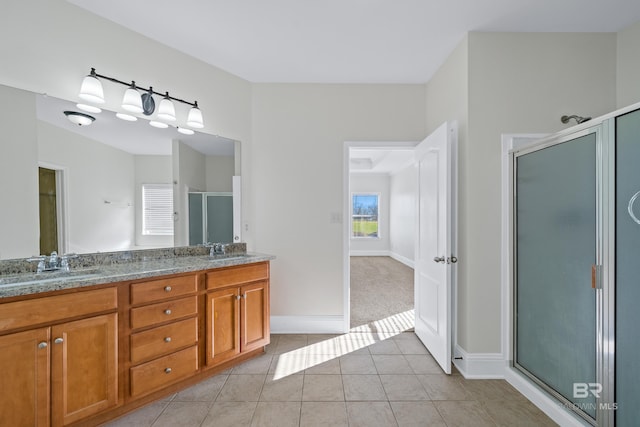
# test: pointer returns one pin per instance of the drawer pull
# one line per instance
(167, 370)
(167, 312)
(42, 345)
(167, 288)
(167, 339)
(58, 341)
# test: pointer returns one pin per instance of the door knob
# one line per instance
(439, 259)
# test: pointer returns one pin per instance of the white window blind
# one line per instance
(157, 209)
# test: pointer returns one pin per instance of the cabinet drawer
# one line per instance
(158, 373)
(237, 275)
(19, 314)
(163, 312)
(156, 290)
(163, 339)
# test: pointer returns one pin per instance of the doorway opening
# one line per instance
(51, 209)
(379, 236)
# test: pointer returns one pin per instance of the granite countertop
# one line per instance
(32, 283)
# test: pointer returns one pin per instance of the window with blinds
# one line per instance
(157, 209)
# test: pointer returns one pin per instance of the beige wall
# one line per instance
(448, 99)
(518, 83)
(219, 173)
(19, 226)
(299, 132)
(628, 66)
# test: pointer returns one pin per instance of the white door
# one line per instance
(237, 208)
(435, 247)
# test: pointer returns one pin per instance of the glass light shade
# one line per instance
(166, 110)
(194, 119)
(91, 90)
(126, 117)
(89, 108)
(185, 131)
(160, 125)
(132, 101)
(79, 119)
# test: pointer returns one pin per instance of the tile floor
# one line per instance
(358, 379)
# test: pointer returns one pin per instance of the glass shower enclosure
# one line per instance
(576, 267)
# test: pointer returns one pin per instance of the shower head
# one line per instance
(578, 119)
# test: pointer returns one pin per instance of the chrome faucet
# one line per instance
(214, 248)
(52, 262)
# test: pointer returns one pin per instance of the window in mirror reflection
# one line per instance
(157, 209)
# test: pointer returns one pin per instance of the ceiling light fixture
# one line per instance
(80, 119)
(136, 102)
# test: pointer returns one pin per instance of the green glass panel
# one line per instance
(556, 247)
(627, 282)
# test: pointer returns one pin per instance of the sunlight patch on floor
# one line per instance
(298, 360)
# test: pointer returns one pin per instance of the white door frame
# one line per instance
(346, 214)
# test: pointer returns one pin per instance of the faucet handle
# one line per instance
(69, 256)
(40, 259)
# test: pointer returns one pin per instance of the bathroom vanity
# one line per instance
(82, 349)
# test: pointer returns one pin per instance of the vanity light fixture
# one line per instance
(157, 124)
(91, 89)
(132, 100)
(126, 117)
(166, 110)
(194, 119)
(136, 102)
(185, 131)
(80, 119)
(89, 108)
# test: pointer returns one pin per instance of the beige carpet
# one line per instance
(381, 294)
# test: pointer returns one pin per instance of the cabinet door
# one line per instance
(255, 316)
(84, 368)
(223, 328)
(24, 383)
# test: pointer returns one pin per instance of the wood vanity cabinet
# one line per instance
(237, 314)
(86, 356)
(164, 332)
(57, 372)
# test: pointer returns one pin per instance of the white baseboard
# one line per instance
(370, 253)
(307, 324)
(542, 400)
(479, 365)
(406, 261)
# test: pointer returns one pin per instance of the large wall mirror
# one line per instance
(109, 186)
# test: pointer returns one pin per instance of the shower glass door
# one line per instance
(627, 232)
(555, 229)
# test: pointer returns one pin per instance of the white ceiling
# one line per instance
(132, 137)
(379, 161)
(347, 41)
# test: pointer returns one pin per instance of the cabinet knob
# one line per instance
(167, 339)
(43, 344)
(238, 297)
(167, 370)
(167, 288)
(167, 311)
(58, 341)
